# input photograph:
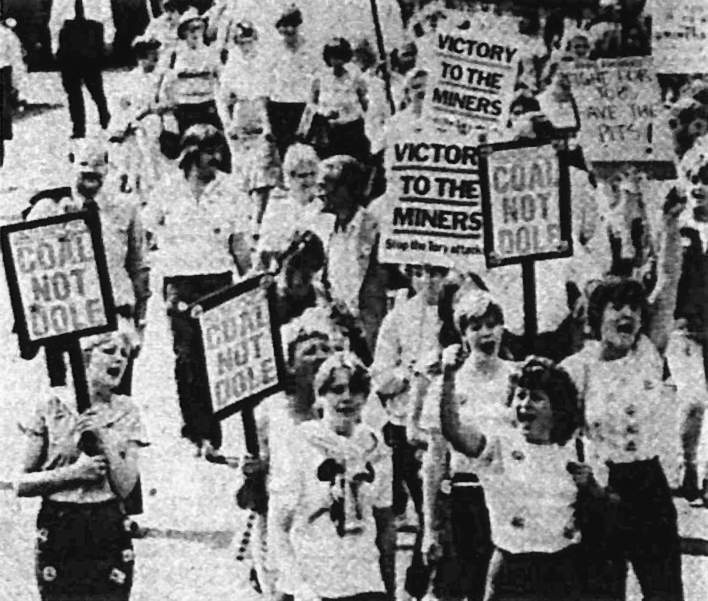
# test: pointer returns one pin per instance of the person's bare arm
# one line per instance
(33, 481)
(464, 438)
(662, 308)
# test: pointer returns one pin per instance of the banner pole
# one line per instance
(528, 275)
(78, 374)
(382, 55)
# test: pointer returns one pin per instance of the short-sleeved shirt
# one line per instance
(332, 485)
(529, 492)
(630, 411)
(194, 239)
(54, 419)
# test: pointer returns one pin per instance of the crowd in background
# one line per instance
(528, 467)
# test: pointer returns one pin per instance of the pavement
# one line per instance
(192, 522)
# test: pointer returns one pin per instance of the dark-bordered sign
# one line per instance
(58, 279)
(525, 202)
(241, 346)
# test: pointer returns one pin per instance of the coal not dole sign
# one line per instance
(526, 202)
(57, 278)
(241, 346)
(434, 204)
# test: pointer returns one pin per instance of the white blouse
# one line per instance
(631, 412)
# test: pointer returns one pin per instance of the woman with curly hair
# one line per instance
(632, 424)
(523, 467)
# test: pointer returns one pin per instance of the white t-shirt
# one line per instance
(529, 493)
(337, 558)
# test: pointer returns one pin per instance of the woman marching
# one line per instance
(83, 466)
(632, 425)
(339, 98)
(330, 509)
(459, 543)
(529, 492)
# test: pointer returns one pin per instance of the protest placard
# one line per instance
(472, 73)
(680, 36)
(434, 210)
(526, 202)
(58, 279)
(619, 102)
(240, 345)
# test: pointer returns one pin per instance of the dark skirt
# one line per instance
(201, 112)
(284, 120)
(84, 552)
(348, 138)
(467, 542)
(533, 576)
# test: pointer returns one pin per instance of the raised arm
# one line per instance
(663, 299)
(464, 438)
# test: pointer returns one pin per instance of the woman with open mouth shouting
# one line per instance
(83, 466)
(530, 494)
(631, 419)
(460, 543)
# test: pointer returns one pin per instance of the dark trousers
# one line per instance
(467, 542)
(284, 120)
(406, 470)
(190, 371)
(645, 535)
(533, 576)
(72, 77)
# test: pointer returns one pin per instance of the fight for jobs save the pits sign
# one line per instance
(434, 209)
(241, 346)
(58, 279)
(526, 202)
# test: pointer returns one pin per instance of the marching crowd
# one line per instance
(536, 467)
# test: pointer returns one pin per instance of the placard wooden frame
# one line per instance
(216, 299)
(93, 224)
(564, 210)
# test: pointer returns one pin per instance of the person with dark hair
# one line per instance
(84, 465)
(291, 69)
(330, 509)
(196, 221)
(456, 533)
(339, 101)
(82, 36)
(191, 77)
(523, 466)
(631, 419)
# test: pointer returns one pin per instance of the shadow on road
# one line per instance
(218, 539)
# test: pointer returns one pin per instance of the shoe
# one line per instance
(105, 120)
(77, 136)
